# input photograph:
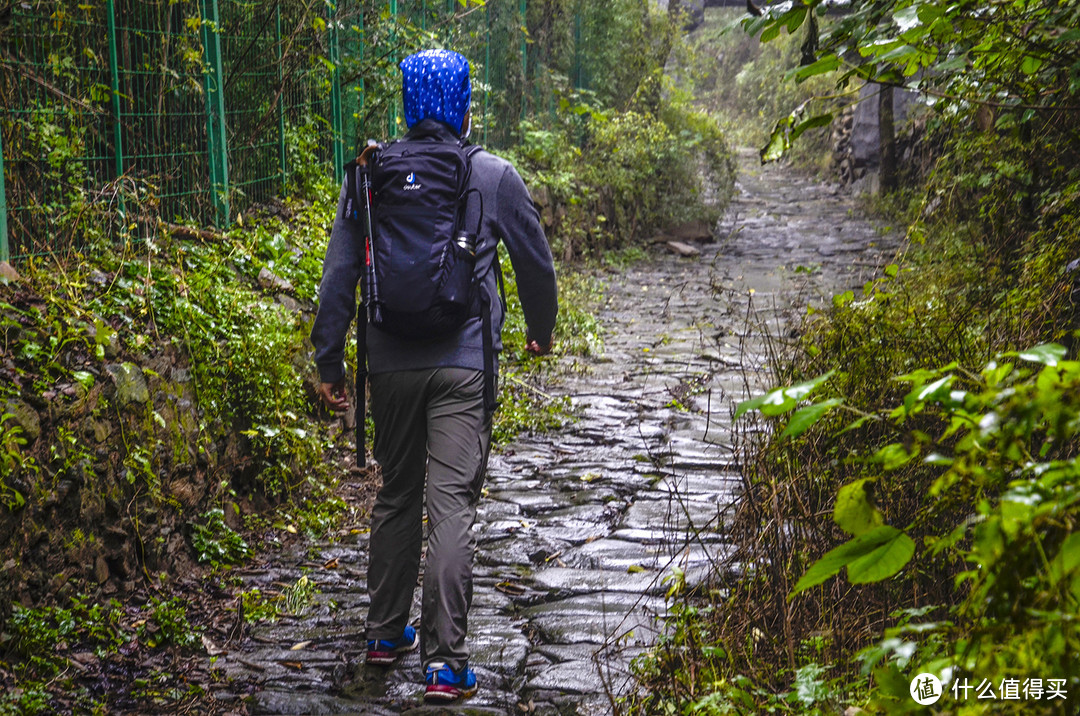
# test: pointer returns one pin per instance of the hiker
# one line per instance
(427, 397)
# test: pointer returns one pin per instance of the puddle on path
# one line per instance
(580, 528)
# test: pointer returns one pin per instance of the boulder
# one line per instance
(683, 249)
(8, 272)
(23, 415)
(130, 383)
(692, 231)
(272, 282)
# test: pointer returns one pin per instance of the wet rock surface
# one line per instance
(579, 529)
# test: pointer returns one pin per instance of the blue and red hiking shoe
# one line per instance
(444, 685)
(384, 651)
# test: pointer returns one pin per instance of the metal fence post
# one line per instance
(282, 156)
(217, 144)
(524, 59)
(487, 73)
(361, 86)
(114, 78)
(579, 84)
(5, 253)
(338, 143)
(393, 114)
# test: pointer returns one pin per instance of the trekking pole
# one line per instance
(369, 305)
(371, 293)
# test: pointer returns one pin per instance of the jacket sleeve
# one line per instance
(521, 231)
(342, 269)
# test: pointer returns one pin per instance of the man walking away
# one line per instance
(427, 396)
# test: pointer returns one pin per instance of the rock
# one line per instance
(270, 281)
(98, 429)
(694, 231)
(289, 303)
(186, 491)
(101, 570)
(541, 197)
(683, 249)
(130, 383)
(110, 344)
(8, 272)
(23, 415)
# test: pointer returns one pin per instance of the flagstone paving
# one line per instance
(580, 528)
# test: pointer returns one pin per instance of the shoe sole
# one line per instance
(446, 694)
(382, 658)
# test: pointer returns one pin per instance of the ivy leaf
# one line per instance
(1046, 354)
(842, 299)
(822, 66)
(820, 120)
(781, 400)
(806, 416)
(885, 561)
(1030, 64)
(894, 456)
(875, 555)
(855, 511)
(907, 18)
(803, 389)
(779, 141)
(772, 403)
(1067, 559)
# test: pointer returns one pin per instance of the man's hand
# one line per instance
(333, 395)
(538, 350)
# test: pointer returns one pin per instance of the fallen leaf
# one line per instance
(301, 645)
(211, 648)
(511, 588)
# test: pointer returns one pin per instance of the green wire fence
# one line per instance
(117, 115)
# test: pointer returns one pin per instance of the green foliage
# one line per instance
(293, 600)
(297, 597)
(524, 405)
(13, 461)
(36, 633)
(740, 80)
(1005, 444)
(613, 177)
(215, 543)
(167, 624)
(303, 149)
(1016, 59)
(25, 701)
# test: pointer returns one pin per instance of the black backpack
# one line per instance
(421, 224)
(425, 225)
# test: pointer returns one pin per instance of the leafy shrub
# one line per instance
(168, 624)
(215, 542)
(617, 176)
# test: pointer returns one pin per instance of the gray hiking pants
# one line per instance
(429, 421)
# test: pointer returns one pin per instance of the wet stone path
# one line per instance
(579, 529)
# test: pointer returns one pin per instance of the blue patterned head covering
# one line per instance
(435, 85)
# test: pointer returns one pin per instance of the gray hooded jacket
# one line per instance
(509, 216)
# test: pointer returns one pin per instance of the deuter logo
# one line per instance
(410, 182)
